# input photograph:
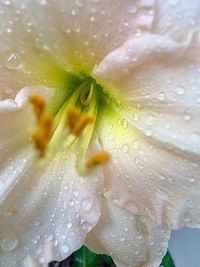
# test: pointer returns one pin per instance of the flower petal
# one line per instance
(176, 18)
(147, 176)
(46, 210)
(130, 239)
(85, 31)
(24, 60)
(41, 39)
(161, 87)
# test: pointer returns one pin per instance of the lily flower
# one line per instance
(99, 128)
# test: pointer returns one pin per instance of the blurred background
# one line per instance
(184, 247)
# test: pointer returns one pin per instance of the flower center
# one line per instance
(74, 122)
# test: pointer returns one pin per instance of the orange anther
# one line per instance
(38, 104)
(98, 158)
(40, 142)
(42, 135)
(81, 124)
(73, 115)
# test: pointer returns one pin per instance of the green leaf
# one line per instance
(84, 258)
(105, 259)
(167, 261)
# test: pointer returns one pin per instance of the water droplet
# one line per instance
(195, 137)
(173, 2)
(49, 238)
(167, 125)
(198, 100)
(148, 132)
(87, 204)
(42, 2)
(9, 244)
(133, 10)
(64, 249)
(186, 117)
(13, 61)
(124, 123)
(135, 117)
(161, 96)
(125, 148)
(75, 193)
(136, 144)
(86, 226)
(69, 225)
(6, 2)
(180, 90)
(92, 18)
(66, 187)
(162, 177)
(73, 12)
(150, 120)
(71, 203)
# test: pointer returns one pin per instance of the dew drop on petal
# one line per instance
(69, 225)
(71, 203)
(148, 132)
(161, 96)
(125, 148)
(150, 120)
(124, 123)
(180, 90)
(135, 117)
(136, 144)
(49, 238)
(64, 249)
(87, 204)
(13, 61)
(198, 100)
(173, 2)
(186, 117)
(75, 193)
(8, 244)
(167, 125)
(195, 137)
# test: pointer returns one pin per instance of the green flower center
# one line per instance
(73, 116)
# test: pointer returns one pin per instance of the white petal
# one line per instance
(24, 60)
(131, 240)
(176, 18)
(162, 87)
(147, 176)
(54, 209)
(40, 38)
(46, 211)
(85, 31)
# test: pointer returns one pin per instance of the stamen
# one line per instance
(76, 122)
(38, 104)
(40, 143)
(97, 159)
(42, 135)
(82, 123)
(72, 117)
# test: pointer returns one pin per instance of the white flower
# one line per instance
(134, 65)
